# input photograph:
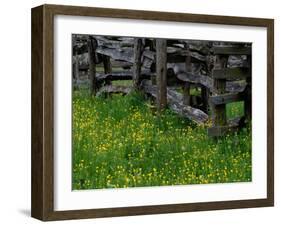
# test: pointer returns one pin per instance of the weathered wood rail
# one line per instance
(219, 72)
(175, 102)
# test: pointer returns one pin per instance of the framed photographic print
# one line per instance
(141, 112)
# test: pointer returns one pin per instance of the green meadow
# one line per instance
(120, 142)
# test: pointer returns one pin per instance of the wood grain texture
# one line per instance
(176, 104)
(161, 73)
(186, 87)
(37, 160)
(186, 94)
(155, 15)
(92, 45)
(137, 62)
(107, 65)
(232, 50)
(231, 73)
(42, 113)
(270, 112)
(226, 98)
(219, 111)
(157, 209)
(43, 122)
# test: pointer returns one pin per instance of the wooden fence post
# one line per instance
(186, 88)
(138, 46)
(219, 111)
(92, 45)
(107, 67)
(204, 97)
(161, 73)
(248, 94)
(76, 69)
(153, 66)
(106, 64)
(186, 94)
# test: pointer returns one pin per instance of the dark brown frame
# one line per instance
(42, 203)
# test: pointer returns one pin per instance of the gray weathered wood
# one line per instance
(109, 43)
(233, 125)
(138, 46)
(80, 49)
(147, 62)
(231, 73)
(197, 79)
(205, 96)
(125, 54)
(114, 89)
(161, 73)
(235, 86)
(189, 77)
(186, 94)
(226, 98)
(193, 114)
(92, 45)
(117, 75)
(122, 64)
(248, 94)
(238, 61)
(76, 67)
(219, 111)
(198, 46)
(208, 82)
(186, 88)
(76, 71)
(248, 102)
(232, 50)
(84, 67)
(217, 131)
(175, 103)
(107, 64)
(122, 75)
(105, 42)
(149, 54)
(114, 64)
(193, 68)
(177, 57)
(197, 56)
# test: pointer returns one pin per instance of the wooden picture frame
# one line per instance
(42, 203)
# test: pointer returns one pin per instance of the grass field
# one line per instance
(120, 142)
